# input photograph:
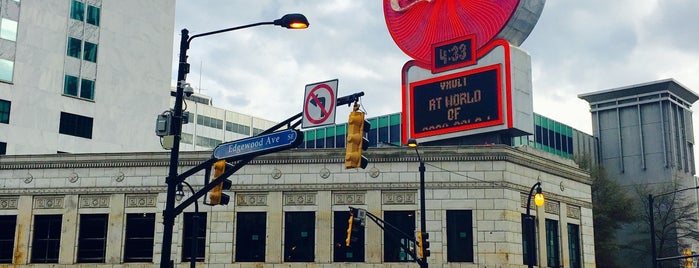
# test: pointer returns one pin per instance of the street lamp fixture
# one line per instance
(412, 143)
(529, 222)
(179, 194)
(290, 21)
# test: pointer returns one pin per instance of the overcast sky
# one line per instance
(576, 47)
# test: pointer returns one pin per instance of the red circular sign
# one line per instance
(312, 99)
(417, 24)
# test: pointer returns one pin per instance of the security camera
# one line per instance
(187, 89)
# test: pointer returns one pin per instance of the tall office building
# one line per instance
(83, 75)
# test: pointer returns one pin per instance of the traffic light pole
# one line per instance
(423, 220)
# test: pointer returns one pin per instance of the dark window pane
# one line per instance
(459, 236)
(299, 237)
(574, 245)
(47, 238)
(7, 237)
(5, 111)
(383, 135)
(70, 85)
(341, 252)
(75, 125)
(77, 10)
(250, 238)
(92, 240)
(90, 53)
(138, 245)
(87, 89)
(3, 148)
(200, 234)
(528, 233)
(74, 47)
(93, 15)
(552, 253)
(394, 134)
(404, 221)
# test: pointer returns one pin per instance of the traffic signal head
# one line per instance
(356, 140)
(216, 196)
(355, 227)
(423, 246)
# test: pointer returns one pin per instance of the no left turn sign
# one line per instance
(319, 104)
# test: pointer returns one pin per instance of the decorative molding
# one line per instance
(141, 200)
(374, 172)
(324, 173)
(573, 212)
(73, 178)
(552, 207)
(251, 199)
(276, 174)
(94, 201)
(8, 202)
(398, 198)
(120, 176)
(348, 199)
(299, 199)
(48, 202)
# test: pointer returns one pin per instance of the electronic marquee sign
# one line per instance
(467, 75)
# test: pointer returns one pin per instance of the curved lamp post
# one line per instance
(289, 21)
(195, 221)
(412, 143)
(529, 222)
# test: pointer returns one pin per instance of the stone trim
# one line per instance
(573, 212)
(8, 202)
(251, 199)
(349, 198)
(398, 198)
(94, 201)
(299, 199)
(552, 207)
(48, 202)
(141, 200)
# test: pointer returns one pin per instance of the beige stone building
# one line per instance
(290, 209)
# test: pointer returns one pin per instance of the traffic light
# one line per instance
(356, 225)
(423, 247)
(216, 196)
(688, 262)
(356, 140)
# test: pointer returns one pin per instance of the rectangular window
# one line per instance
(5, 111)
(299, 236)
(70, 85)
(75, 125)
(77, 10)
(140, 231)
(552, 252)
(90, 53)
(92, 239)
(459, 236)
(574, 245)
(46, 242)
(528, 234)
(199, 231)
(74, 47)
(250, 238)
(341, 252)
(3, 148)
(7, 237)
(404, 221)
(93, 15)
(87, 89)
(6, 70)
(8, 29)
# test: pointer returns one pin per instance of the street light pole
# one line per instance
(423, 219)
(290, 21)
(529, 222)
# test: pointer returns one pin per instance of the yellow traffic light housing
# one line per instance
(423, 246)
(356, 140)
(216, 196)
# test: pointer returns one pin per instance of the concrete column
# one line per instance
(563, 225)
(324, 233)
(69, 230)
(24, 224)
(275, 220)
(116, 229)
(541, 235)
(374, 235)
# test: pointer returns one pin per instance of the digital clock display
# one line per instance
(457, 102)
(453, 54)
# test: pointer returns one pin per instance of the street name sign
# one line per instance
(259, 145)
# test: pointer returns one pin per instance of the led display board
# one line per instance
(456, 102)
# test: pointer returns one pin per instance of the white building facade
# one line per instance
(291, 209)
(83, 75)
